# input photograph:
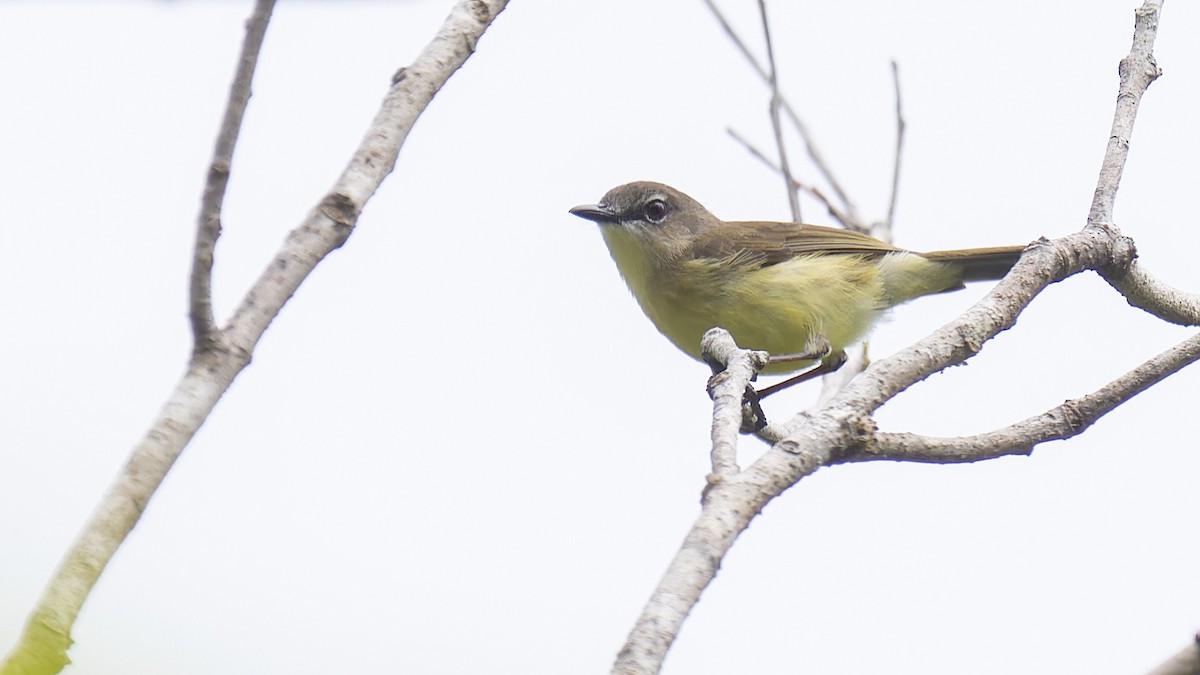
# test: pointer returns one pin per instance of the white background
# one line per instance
(462, 449)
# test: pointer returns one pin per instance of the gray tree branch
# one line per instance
(42, 646)
(810, 145)
(208, 226)
(1142, 290)
(897, 159)
(1185, 662)
(734, 369)
(789, 183)
(1064, 421)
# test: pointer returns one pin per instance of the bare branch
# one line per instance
(1059, 423)
(818, 159)
(737, 40)
(776, 127)
(815, 193)
(753, 149)
(810, 145)
(900, 127)
(1099, 246)
(42, 646)
(843, 219)
(734, 368)
(208, 226)
(1145, 292)
(1186, 662)
(1137, 71)
(727, 509)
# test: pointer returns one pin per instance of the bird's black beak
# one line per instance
(594, 212)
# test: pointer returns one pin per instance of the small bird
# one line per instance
(802, 293)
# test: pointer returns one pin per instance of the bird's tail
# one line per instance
(980, 264)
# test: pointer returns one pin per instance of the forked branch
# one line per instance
(221, 354)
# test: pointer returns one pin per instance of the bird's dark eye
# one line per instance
(655, 211)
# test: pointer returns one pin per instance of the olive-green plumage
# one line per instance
(773, 286)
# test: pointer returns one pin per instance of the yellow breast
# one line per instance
(777, 308)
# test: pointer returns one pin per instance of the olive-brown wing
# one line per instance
(770, 243)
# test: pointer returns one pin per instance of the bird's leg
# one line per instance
(753, 417)
(829, 364)
(817, 348)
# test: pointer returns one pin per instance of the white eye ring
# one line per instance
(655, 210)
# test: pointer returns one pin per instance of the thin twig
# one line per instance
(752, 149)
(818, 160)
(810, 145)
(843, 219)
(814, 192)
(208, 225)
(776, 127)
(900, 127)
(737, 40)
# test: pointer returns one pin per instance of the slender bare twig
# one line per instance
(810, 145)
(752, 149)
(1137, 70)
(208, 226)
(842, 218)
(776, 127)
(41, 649)
(737, 39)
(818, 159)
(1059, 423)
(900, 127)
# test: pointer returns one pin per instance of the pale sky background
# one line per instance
(462, 448)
